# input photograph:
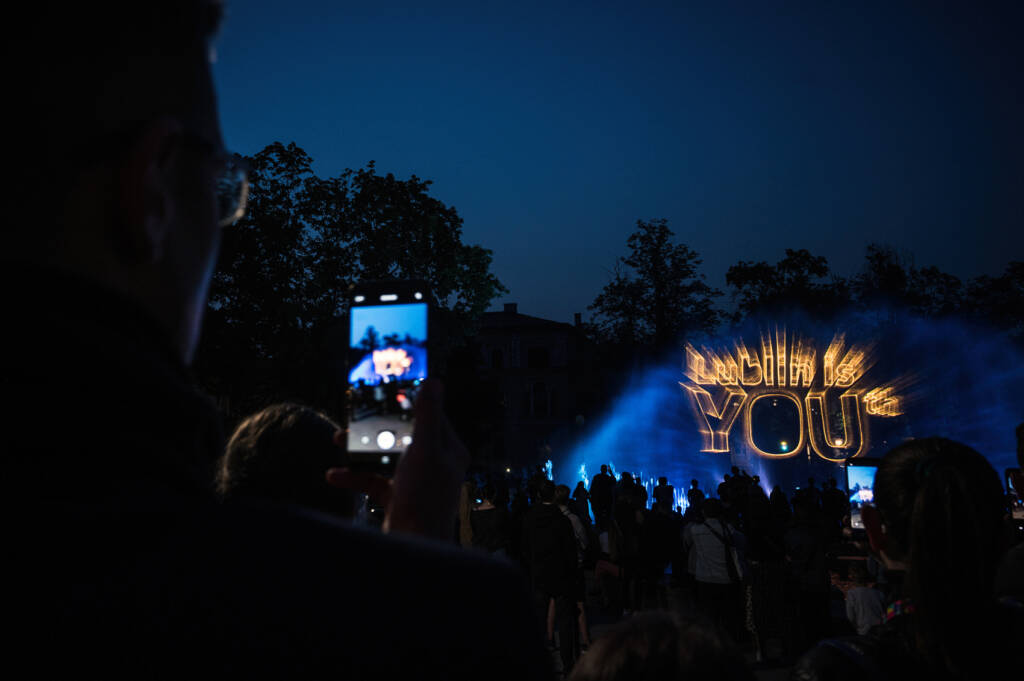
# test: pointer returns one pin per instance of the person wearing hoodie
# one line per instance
(549, 556)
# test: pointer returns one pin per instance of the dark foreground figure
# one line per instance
(937, 525)
(120, 561)
(662, 646)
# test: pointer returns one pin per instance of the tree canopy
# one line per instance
(656, 293)
(285, 268)
(800, 281)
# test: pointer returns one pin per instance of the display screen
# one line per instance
(387, 364)
(860, 482)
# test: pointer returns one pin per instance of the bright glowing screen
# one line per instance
(786, 395)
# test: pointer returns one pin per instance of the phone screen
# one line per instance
(387, 364)
(860, 485)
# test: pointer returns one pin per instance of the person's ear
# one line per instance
(873, 526)
(146, 191)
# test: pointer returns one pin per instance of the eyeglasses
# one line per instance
(232, 190)
(232, 182)
(232, 179)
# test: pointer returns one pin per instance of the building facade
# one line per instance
(544, 373)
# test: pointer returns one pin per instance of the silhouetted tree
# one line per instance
(799, 283)
(656, 293)
(999, 301)
(371, 341)
(890, 283)
(285, 269)
(934, 292)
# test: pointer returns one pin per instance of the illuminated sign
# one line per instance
(823, 394)
(391, 362)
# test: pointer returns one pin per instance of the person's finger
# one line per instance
(429, 427)
(433, 433)
(427, 479)
(375, 486)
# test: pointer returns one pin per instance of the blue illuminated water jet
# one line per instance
(648, 432)
(965, 383)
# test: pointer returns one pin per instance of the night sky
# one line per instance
(751, 126)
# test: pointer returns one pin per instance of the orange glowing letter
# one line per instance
(819, 428)
(716, 419)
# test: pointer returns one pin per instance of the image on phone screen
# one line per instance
(387, 364)
(860, 482)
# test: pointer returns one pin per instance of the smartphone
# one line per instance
(860, 486)
(1015, 487)
(387, 362)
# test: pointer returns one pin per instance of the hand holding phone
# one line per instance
(423, 498)
(860, 486)
(387, 365)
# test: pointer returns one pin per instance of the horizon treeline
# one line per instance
(656, 295)
(273, 327)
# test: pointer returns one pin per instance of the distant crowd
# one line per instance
(779, 578)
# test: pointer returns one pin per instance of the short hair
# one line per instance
(858, 572)
(83, 71)
(546, 491)
(712, 508)
(282, 454)
(663, 480)
(665, 646)
(562, 495)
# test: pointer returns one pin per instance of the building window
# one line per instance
(538, 358)
(539, 400)
(497, 359)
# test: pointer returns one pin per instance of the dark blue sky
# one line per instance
(751, 126)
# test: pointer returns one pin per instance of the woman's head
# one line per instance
(940, 504)
(924, 487)
(282, 453)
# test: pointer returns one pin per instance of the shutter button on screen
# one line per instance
(385, 439)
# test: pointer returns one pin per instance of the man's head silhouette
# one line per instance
(123, 177)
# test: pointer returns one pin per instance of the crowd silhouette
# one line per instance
(772, 580)
(131, 555)
(785, 578)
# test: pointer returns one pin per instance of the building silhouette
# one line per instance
(546, 380)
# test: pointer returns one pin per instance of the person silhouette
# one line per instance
(126, 563)
(936, 521)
